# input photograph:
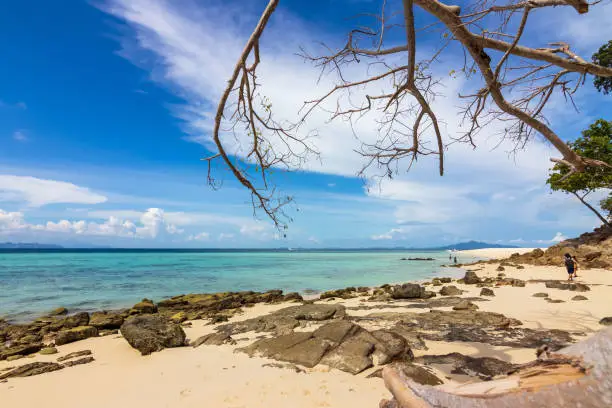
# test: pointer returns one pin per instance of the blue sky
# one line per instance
(104, 116)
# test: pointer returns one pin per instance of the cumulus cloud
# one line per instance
(37, 192)
(202, 236)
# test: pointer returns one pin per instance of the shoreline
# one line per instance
(184, 377)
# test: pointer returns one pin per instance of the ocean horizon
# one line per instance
(35, 281)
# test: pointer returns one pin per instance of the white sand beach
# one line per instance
(216, 376)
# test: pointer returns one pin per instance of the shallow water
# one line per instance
(34, 283)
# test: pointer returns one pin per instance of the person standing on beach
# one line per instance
(575, 266)
(569, 265)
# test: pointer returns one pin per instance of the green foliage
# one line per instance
(606, 205)
(603, 57)
(595, 143)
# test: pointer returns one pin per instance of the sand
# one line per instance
(215, 376)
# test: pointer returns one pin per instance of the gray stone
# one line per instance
(149, 333)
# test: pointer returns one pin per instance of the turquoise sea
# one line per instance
(34, 282)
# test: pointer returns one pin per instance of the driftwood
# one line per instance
(577, 376)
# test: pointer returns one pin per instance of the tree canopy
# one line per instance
(603, 57)
(595, 143)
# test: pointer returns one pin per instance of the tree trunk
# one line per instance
(590, 207)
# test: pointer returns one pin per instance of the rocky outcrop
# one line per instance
(145, 306)
(450, 291)
(410, 291)
(48, 350)
(107, 320)
(150, 333)
(74, 354)
(592, 249)
(22, 350)
(342, 345)
(471, 278)
(31, 369)
(347, 293)
(76, 334)
(484, 368)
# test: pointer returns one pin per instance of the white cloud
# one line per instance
(314, 240)
(37, 192)
(225, 236)
(558, 237)
(253, 229)
(20, 136)
(202, 236)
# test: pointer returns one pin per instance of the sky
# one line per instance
(105, 115)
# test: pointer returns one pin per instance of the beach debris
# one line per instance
(471, 278)
(107, 320)
(213, 339)
(150, 332)
(84, 360)
(48, 350)
(75, 334)
(487, 292)
(450, 291)
(74, 354)
(31, 369)
(145, 306)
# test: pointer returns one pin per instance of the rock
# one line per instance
(150, 333)
(76, 320)
(579, 287)
(540, 294)
(363, 289)
(408, 291)
(555, 300)
(21, 350)
(580, 297)
(74, 354)
(14, 357)
(606, 321)
(292, 367)
(31, 369)
(218, 319)
(537, 253)
(592, 256)
(352, 356)
(436, 282)
(76, 334)
(520, 267)
(484, 368)
(336, 331)
(471, 278)
(420, 374)
(347, 293)
(106, 320)
(465, 305)
(84, 360)
(293, 297)
(500, 268)
(145, 306)
(179, 317)
(48, 350)
(487, 292)
(213, 339)
(572, 286)
(450, 291)
(445, 280)
(59, 311)
(517, 283)
(390, 346)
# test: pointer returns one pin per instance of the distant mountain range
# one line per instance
(462, 246)
(26, 245)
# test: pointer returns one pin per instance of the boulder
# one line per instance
(408, 291)
(336, 332)
(76, 320)
(179, 317)
(150, 333)
(143, 307)
(31, 369)
(471, 278)
(106, 320)
(487, 292)
(293, 297)
(352, 356)
(450, 291)
(75, 334)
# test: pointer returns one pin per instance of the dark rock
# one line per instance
(579, 287)
(592, 256)
(500, 268)
(416, 373)
(146, 306)
(580, 297)
(150, 333)
(74, 354)
(31, 369)
(408, 291)
(540, 294)
(606, 321)
(484, 368)
(76, 320)
(59, 311)
(390, 346)
(572, 286)
(445, 280)
(76, 334)
(21, 350)
(84, 360)
(213, 339)
(106, 320)
(555, 300)
(465, 305)
(48, 350)
(471, 278)
(450, 291)
(487, 292)
(363, 289)
(347, 293)
(293, 297)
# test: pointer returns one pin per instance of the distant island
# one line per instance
(27, 245)
(463, 246)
